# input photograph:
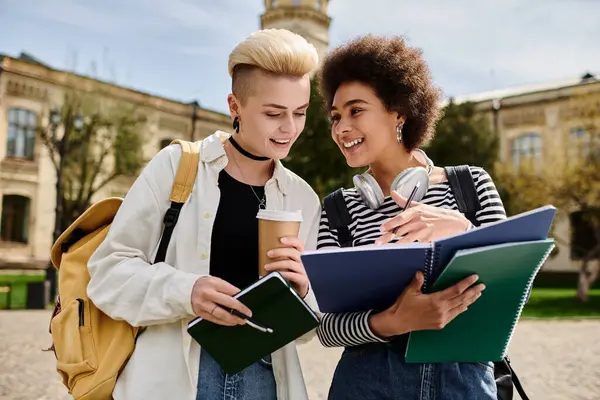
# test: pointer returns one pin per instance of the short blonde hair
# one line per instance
(274, 51)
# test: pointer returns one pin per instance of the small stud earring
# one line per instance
(236, 125)
(399, 133)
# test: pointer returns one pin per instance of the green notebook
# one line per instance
(483, 332)
(274, 304)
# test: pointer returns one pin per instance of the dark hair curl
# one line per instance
(398, 75)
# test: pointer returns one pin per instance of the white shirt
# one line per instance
(126, 285)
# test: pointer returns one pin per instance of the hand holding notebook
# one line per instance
(275, 305)
(372, 277)
(414, 310)
(212, 300)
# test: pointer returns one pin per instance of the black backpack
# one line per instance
(464, 190)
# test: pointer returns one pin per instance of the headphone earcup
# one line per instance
(369, 190)
(407, 180)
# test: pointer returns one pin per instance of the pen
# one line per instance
(249, 320)
(410, 199)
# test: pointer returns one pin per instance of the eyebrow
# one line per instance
(350, 103)
(279, 106)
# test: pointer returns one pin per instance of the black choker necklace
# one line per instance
(244, 152)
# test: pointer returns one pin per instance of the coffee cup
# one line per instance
(272, 226)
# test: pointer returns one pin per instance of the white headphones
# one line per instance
(369, 190)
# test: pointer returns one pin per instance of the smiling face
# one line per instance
(272, 113)
(362, 127)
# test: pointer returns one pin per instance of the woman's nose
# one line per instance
(342, 127)
(288, 125)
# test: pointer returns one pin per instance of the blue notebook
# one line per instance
(372, 277)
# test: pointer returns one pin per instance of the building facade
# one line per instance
(28, 90)
(539, 122)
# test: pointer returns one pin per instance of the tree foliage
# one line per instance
(107, 146)
(463, 136)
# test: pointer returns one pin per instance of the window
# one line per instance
(22, 125)
(583, 144)
(15, 219)
(164, 143)
(528, 146)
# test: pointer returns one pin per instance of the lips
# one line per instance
(280, 141)
(348, 144)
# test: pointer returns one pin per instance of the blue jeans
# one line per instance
(253, 383)
(378, 371)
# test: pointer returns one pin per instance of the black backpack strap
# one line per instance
(464, 190)
(463, 187)
(516, 380)
(169, 222)
(338, 216)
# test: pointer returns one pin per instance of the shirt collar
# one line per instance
(212, 150)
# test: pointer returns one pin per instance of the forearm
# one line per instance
(347, 329)
(140, 293)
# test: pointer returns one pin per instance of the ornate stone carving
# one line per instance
(531, 116)
(294, 12)
(27, 90)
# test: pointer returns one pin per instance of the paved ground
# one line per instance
(556, 360)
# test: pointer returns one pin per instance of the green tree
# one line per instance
(463, 136)
(91, 142)
(315, 156)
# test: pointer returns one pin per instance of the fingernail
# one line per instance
(270, 253)
(482, 287)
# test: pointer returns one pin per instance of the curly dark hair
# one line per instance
(398, 75)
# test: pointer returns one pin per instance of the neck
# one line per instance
(389, 165)
(247, 170)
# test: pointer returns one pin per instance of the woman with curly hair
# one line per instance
(383, 107)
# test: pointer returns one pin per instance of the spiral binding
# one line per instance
(524, 300)
(431, 260)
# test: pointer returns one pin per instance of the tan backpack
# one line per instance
(91, 348)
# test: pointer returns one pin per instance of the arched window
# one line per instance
(524, 147)
(15, 219)
(22, 126)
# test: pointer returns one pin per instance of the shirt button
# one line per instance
(207, 215)
(204, 256)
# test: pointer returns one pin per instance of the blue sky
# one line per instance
(179, 48)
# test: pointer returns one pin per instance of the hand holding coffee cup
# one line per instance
(290, 266)
(279, 247)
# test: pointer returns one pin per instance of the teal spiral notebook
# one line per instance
(483, 332)
(275, 304)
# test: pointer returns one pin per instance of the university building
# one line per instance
(527, 120)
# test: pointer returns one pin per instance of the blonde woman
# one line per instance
(213, 251)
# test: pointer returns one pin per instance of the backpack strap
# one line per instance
(183, 185)
(464, 190)
(338, 216)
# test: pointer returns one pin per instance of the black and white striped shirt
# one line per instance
(351, 329)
